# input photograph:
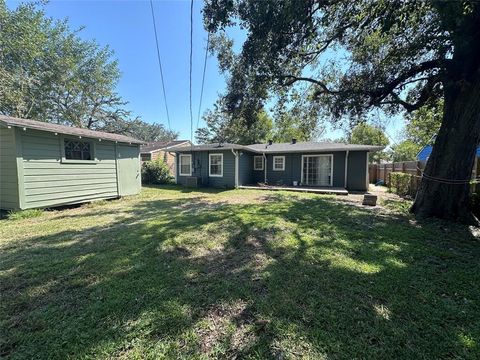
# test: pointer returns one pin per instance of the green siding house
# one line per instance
(306, 164)
(47, 165)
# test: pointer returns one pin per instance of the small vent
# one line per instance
(192, 182)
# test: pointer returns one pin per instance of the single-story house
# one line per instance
(46, 165)
(309, 164)
(162, 150)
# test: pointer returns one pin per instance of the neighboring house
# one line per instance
(162, 150)
(45, 165)
(306, 164)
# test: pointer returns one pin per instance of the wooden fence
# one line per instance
(377, 172)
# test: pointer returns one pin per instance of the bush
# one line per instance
(400, 183)
(155, 172)
(24, 214)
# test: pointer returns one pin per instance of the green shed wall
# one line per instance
(34, 174)
(48, 181)
(8, 170)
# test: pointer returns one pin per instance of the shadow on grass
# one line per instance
(284, 278)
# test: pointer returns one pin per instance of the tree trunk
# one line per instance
(453, 154)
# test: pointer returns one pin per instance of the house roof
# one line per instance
(211, 147)
(284, 147)
(311, 147)
(162, 145)
(69, 130)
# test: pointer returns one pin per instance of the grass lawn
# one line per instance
(237, 274)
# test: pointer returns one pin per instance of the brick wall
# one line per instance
(168, 158)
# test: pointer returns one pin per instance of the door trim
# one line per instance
(319, 155)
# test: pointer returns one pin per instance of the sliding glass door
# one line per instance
(317, 170)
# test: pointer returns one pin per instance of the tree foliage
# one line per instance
(141, 130)
(424, 123)
(223, 127)
(405, 150)
(359, 55)
(48, 73)
(366, 134)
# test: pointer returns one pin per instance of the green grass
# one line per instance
(24, 214)
(181, 274)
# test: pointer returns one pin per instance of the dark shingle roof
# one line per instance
(69, 130)
(159, 145)
(303, 147)
(310, 147)
(211, 147)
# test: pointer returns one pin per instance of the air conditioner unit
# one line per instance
(192, 181)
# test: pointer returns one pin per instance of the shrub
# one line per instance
(400, 183)
(24, 214)
(155, 172)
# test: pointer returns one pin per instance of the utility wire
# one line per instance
(203, 78)
(191, 57)
(160, 65)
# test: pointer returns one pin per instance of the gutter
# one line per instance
(265, 167)
(346, 169)
(236, 167)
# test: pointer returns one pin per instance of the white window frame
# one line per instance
(283, 163)
(180, 164)
(255, 163)
(313, 155)
(210, 165)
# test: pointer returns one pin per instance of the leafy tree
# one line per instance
(223, 127)
(358, 55)
(141, 130)
(365, 134)
(48, 73)
(424, 123)
(404, 151)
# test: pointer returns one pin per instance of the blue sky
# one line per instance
(127, 28)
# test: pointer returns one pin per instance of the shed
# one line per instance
(47, 165)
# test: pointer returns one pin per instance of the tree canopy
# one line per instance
(359, 55)
(366, 134)
(49, 73)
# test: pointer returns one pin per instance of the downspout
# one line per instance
(176, 164)
(265, 168)
(236, 167)
(346, 169)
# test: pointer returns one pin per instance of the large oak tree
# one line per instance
(357, 55)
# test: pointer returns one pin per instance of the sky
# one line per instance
(127, 28)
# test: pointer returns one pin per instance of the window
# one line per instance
(146, 157)
(258, 163)
(185, 165)
(78, 150)
(279, 163)
(215, 165)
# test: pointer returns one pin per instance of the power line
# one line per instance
(160, 65)
(203, 78)
(191, 57)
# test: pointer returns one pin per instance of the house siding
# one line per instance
(200, 169)
(357, 171)
(8, 169)
(293, 169)
(50, 182)
(245, 166)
